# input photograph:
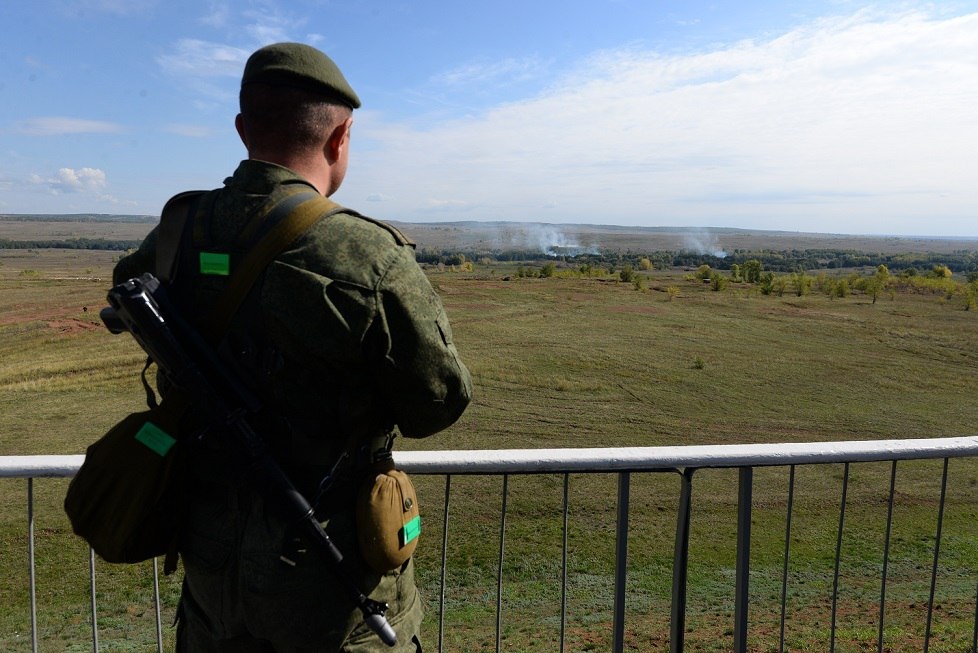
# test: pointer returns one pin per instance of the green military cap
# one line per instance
(300, 66)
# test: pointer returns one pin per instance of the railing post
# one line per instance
(787, 557)
(621, 562)
(680, 561)
(91, 583)
(157, 606)
(32, 579)
(743, 558)
(838, 556)
(937, 556)
(444, 565)
(563, 564)
(499, 570)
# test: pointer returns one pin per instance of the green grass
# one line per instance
(576, 362)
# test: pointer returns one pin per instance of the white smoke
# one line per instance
(703, 242)
(549, 240)
(554, 242)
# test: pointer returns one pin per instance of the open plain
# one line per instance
(571, 360)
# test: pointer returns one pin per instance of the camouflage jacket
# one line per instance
(353, 338)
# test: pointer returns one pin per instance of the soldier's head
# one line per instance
(294, 100)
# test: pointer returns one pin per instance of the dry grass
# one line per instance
(571, 362)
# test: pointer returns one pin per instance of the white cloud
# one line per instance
(268, 28)
(195, 58)
(208, 66)
(505, 71)
(69, 180)
(60, 126)
(88, 182)
(867, 116)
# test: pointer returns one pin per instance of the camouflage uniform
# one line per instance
(343, 336)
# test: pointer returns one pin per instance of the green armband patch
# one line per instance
(411, 530)
(155, 438)
(215, 263)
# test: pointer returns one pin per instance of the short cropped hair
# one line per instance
(283, 118)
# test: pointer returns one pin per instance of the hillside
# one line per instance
(541, 237)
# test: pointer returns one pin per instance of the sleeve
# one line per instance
(420, 375)
(134, 264)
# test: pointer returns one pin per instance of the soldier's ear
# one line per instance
(242, 134)
(338, 140)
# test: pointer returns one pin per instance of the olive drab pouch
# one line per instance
(127, 498)
(388, 521)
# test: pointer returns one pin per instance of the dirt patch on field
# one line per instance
(53, 318)
(72, 325)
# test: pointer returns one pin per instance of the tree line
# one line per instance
(70, 243)
(786, 260)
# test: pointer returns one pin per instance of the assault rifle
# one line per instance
(140, 306)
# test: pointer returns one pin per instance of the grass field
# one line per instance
(573, 362)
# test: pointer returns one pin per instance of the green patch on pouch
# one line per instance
(215, 263)
(155, 438)
(410, 531)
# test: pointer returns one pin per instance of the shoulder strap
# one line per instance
(303, 210)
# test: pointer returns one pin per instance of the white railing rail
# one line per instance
(684, 460)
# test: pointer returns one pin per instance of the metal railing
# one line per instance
(624, 463)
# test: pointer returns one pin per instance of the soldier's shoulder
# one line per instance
(359, 224)
(349, 228)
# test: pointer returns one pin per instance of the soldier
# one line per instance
(344, 339)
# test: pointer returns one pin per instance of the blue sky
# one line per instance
(841, 117)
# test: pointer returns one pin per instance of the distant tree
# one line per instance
(752, 271)
(842, 288)
(645, 264)
(673, 292)
(878, 282)
(548, 270)
(802, 283)
(718, 281)
(941, 272)
(627, 273)
(765, 282)
(735, 273)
